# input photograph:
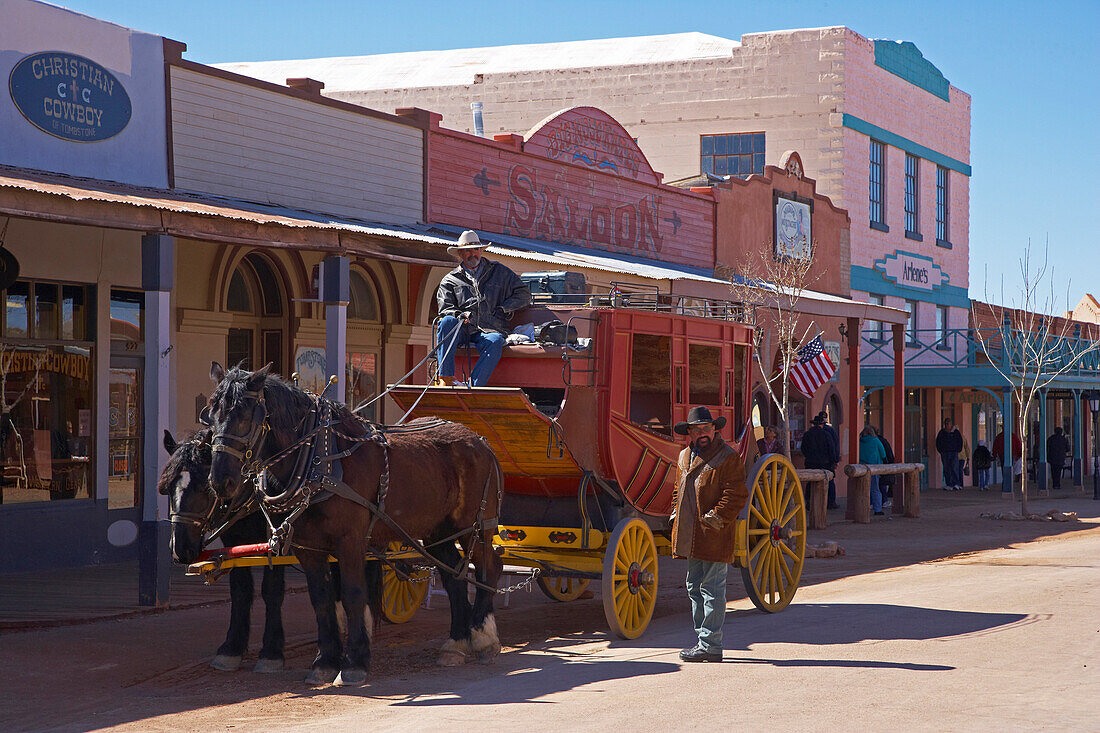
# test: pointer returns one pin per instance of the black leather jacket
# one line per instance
(490, 300)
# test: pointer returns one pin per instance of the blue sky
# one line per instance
(1031, 68)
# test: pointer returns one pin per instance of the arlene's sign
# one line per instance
(69, 96)
(912, 271)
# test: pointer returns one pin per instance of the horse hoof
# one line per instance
(486, 656)
(351, 677)
(268, 666)
(321, 676)
(451, 659)
(226, 663)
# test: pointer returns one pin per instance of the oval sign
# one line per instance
(69, 96)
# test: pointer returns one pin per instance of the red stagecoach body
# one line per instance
(555, 413)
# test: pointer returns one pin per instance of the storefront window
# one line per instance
(362, 376)
(46, 384)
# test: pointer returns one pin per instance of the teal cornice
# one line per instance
(866, 128)
(903, 59)
(868, 280)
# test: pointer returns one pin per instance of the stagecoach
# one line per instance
(583, 430)
(582, 427)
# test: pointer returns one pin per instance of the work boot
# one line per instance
(699, 654)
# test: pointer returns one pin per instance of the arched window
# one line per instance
(254, 286)
(363, 305)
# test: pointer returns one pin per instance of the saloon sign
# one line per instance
(912, 271)
(69, 96)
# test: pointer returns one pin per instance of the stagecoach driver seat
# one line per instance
(478, 297)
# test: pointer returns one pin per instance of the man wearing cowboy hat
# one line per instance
(710, 493)
(478, 297)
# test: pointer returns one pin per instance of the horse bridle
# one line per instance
(250, 442)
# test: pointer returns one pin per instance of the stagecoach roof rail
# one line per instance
(656, 301)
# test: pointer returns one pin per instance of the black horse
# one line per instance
(439, 481)
(186, 479)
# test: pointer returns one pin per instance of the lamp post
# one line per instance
(1094, 407)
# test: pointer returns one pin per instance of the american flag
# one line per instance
(813, 367)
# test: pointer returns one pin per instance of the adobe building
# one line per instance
(885, 134)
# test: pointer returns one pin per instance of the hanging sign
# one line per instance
(69, 96)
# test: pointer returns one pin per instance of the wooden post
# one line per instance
(912, 493)
(819, 491)
(899, 391)
(860, 495)
(855, 414)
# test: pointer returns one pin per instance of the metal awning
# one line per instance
(91, 202)
(675, 279)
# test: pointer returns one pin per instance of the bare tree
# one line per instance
(1027, 345)
(775, 284)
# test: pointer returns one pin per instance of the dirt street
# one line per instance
(949, 622)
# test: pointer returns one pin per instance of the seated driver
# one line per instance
(477, 297)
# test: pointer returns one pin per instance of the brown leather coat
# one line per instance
(717, 480)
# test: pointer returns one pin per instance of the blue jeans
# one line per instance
(489, 347)
(706, 586)
(876, 495)
(951, 474)
(983, 477)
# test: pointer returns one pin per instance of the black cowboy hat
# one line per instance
(699, 416)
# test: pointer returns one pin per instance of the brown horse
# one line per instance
(439, 482)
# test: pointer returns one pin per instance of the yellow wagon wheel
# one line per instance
(400, 597)
(562, 589)
(629, 582)
(775, 533)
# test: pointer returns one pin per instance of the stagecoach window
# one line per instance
(651, 382)
(704, 374)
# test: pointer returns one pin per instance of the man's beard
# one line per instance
(702, 443)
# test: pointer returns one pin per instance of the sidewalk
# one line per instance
(949, 525)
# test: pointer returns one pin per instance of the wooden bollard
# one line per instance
(859, 493)
(912, 494)
(859, 488)
(818, 482)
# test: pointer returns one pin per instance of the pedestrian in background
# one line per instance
(710, 493)
(769, 443)
(836, 451)
(872, 453)
(819, 450)
(949, 443)
(1057, 451)
(886, 483)
(983, 459)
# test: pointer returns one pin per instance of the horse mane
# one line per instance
(192, 452)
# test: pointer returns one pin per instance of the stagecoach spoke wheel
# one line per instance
(562, 589)
(629, 583)
(401, 597)
(776, 534)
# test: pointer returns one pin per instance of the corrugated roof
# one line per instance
(458, 66)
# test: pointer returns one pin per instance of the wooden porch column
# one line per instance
(855, 413)
(336, 293)
(899, 389)
(154, 557)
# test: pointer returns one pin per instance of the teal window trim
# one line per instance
(866, 128)
(868, 280)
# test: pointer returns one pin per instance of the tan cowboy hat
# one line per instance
(466, 241)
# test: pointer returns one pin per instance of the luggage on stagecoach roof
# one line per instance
(556, 286)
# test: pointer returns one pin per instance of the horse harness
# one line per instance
(318, 475)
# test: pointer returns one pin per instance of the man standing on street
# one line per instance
(478, 297)
(1057, 451)
(820, 451)
(710, 493)
(949, 442)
